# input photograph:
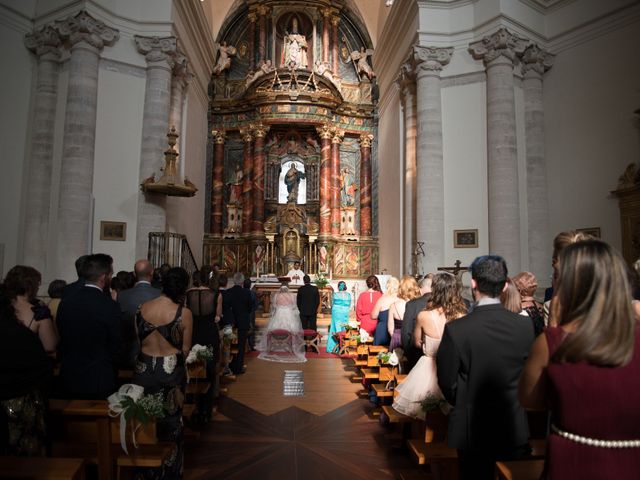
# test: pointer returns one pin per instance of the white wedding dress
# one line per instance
(283, 339)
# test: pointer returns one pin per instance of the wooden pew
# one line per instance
(37, 468)
(519, 470)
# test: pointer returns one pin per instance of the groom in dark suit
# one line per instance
(308, 300)
(240, 305)
(479, 363)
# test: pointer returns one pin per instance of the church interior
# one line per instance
(349, 137)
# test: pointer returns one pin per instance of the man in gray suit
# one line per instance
(129, 301)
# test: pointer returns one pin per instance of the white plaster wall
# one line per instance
(390, 177)
(464, 126)
(117, 157)
(589, 98)
(16, 86)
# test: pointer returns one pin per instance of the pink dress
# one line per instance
(364, 306)
(422, 381)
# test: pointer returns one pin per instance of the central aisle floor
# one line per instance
(327, 434)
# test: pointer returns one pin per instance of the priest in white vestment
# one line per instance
(295, 274)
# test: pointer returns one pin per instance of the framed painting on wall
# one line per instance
(465, 238)
(113, 231)
(593, 231)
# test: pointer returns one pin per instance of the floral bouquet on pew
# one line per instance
(364, 336)
(132, 405)
(228, 337)
(200, 353)
(388, 358)
(351, 325)
(433, 403)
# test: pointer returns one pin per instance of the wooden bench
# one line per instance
(36, 468)
(395, 416)
(519, 470)
(381, 390)
(370, 373)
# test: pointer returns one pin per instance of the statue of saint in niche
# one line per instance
(294, 51)
(224, 60)
(292, 181)
(347, 188)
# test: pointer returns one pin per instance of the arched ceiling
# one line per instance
(372, 12)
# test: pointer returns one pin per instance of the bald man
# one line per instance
(129, 301)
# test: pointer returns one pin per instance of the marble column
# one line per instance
(259, 132)
(365, 184)
(336, 140)
(45, 43)
(326, 18)
(262, 39)
(429, 62)
(334, 42)
(87, 37)
(247, 174)
(407, 83)
(217, 196)
(498, 52)
(535, 62)
(160, 54)
(253, 18)
(325, 179)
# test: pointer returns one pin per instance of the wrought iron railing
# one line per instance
(173, 249)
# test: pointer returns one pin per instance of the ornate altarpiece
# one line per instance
(277, 104)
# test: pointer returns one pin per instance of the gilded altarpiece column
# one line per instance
(45, 44)
(535, 62)
(336, 140)
(247, 173)
(334, 42)
(325, 180)
(87, 37)
(252, 40)
(262, 38)
(218, 182)
(365, 185)
(259, 132)
(498, 52)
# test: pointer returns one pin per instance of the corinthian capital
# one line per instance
(260, 130)
(431, 58)
(534, 59)
(45, 40)
(365, 140)
(246, 135)
(501, 43)
(218, 135)
(158, 49)
(338, 135)
(406, 79)
(84, 28)
(324, 131)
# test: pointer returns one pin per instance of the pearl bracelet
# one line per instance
(595, 442)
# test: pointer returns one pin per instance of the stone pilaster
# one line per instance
(429, 62)
(259, 132)
(498, 52)
(325, 179)
(535, 62)
(45, 44)
(407, 85)
(87, 37)
(161, 54)
(336, 140)
(365, 185)
(217, 197)
(247, 174)
(326, 19)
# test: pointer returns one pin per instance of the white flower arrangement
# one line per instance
(364, 336)
(388, 357)
(228, 337)
(200, 352)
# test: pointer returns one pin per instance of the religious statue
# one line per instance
(235, 186)
(347, 188)
(224, 60)
(292, 181)
(323, 69)
(265, 68)
(294, 52)
(360, 61)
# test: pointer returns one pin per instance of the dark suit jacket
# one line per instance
(411, 311)
(72, 288)
(479, 362)
(308, 300)
(132, 298)
(89, 326)
(240, 305)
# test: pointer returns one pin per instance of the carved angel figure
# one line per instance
(224, 60)
(265, 68)
(360, 61)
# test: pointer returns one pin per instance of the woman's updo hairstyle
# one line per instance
(175, 283)
(342, 287)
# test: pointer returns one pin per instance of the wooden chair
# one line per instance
(312, 340)
(36, 468)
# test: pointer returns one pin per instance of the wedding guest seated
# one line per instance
(380, 312)
(510, 297)
(22, 284)
(25, 375)
(586, 369)
(89, 325)
(122, 281)
(411, 311)
(365, 303)
(408, 290)
(54, 291)
(526, 283)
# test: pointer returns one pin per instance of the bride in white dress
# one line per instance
(445, 304)
(283, 339)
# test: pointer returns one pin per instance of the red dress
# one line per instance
(596, 402)
(364, 306)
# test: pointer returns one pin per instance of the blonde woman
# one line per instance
(407, 290)
(380, 312)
